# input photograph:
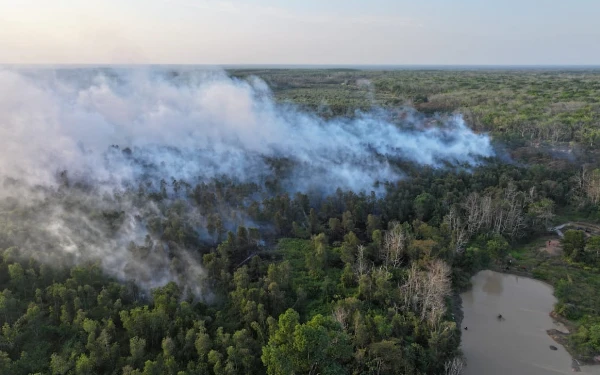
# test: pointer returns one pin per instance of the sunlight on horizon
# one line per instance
(307, 32)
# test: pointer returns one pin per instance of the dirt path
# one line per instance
(558, 229)
(552, 248)
(588, 228)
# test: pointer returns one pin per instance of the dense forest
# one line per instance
(298, 283)
(536, 104)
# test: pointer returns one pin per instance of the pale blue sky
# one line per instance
(451, 32)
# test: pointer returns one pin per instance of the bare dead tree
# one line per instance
(340, 314)
(458, 230)
(454, 366)
(515, 219)
(580, 183)
(502, 216)
(486, 210)
(411, 289)
(479, 213)
(394, 245)
(592, 186)
(474, 213)
(361, 266)
(437, 288)
(532, 194)
(425, 292)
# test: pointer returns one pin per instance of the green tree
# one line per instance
(592, 249)
(84, 365)
(348, 279)
(318, 346)
(137, 349)
(5, 363)
(373, 224)
(542, 211)
(347, 221)
(335, 228)
(349, 248)
(386, 357)
(59, 365)
(573, 243)
(278, 355)
(316, 258)
(17, 276)
(497, 247)
(313, 219)
(424, 204)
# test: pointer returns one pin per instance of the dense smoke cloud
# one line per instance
(201, 125)
(191, 126)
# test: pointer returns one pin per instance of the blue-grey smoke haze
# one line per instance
(189, 125)
(203, 124)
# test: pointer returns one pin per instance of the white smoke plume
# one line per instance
(188, 125)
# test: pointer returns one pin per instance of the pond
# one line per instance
(517, 343)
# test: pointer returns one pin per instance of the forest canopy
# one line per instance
(231, 276)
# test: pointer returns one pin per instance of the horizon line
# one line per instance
(303, 66)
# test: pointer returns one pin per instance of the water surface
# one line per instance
(518, 344)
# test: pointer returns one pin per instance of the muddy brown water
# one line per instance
(518, 344)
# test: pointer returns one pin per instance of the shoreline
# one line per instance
(561, 338)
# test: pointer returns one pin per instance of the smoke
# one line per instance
(112, 129)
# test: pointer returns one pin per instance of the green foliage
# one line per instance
(315, 285)
(587, 339)
(497, 247)
(518, 105)
(573, 244)
(318, 345)
(592, 250)
(542, 211)
(424, 206)
(349, 248)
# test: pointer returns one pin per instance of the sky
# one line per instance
(364, 32)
